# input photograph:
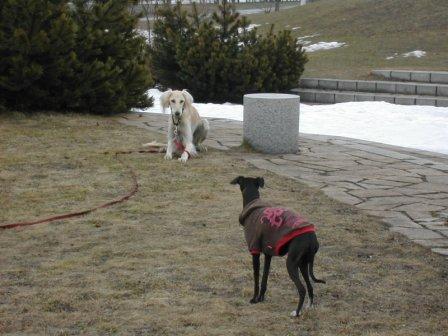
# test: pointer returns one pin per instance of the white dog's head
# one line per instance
(177, 101)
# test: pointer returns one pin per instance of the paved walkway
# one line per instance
(407, 188)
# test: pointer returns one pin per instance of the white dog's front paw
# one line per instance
(184, 157)
(168, 156)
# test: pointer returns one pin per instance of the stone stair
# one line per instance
(416, 92)
(414, 76)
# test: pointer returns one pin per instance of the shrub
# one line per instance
(72, 55)
(36, 53)
(112, 64)
(219, 58)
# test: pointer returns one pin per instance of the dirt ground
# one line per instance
(172, 260)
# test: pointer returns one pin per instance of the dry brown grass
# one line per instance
(172, 260)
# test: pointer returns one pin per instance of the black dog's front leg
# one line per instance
(264, 280)
(256, 266)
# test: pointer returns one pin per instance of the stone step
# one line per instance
(414, 76)
(336, 96)
(410, 88)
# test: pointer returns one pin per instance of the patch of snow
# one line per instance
(145, 34)
(420, 127)
(146, 19)
(303, 39)
(249, 27)
(250, 11)
(323, 46)
(295, 28)
(252, 26)
(415, 53)
(392, 57)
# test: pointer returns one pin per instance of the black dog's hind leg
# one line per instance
(256, 266)
(264, 280)
(311, 265)
(293, 271)
(304, 270)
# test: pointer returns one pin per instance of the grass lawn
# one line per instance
(172, 260)
(373, 31)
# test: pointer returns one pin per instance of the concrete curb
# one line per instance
(416, 76)
(332, 97)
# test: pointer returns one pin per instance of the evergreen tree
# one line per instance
(220, 59)
(171, 32)
(36, 53)
(112, 67)
(72, 55)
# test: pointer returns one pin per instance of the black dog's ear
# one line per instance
(237, 180)
(260, 182)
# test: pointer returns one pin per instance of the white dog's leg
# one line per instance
(184, 157)
(169, 150)
(190, 149)
(169, 146)
(200, 134)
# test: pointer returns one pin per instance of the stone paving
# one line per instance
(406, 188)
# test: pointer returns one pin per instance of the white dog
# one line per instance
(187, 130)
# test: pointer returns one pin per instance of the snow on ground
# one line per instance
(420, 127)
(323, 46)
(144, 33)
(252, 26)
(301, 38)
(415, 53)
(249, 27)
(250, 11)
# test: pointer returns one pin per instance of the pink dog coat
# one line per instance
(268, 229)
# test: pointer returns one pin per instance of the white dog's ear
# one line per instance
(188, 97)
(165, 98)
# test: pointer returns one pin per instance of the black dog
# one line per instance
(276, 231)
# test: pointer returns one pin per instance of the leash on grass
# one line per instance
(129, 194)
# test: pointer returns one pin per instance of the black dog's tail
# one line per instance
(311, 265)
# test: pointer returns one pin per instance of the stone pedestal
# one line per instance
(271, 122)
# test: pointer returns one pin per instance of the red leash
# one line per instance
(128, 195)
